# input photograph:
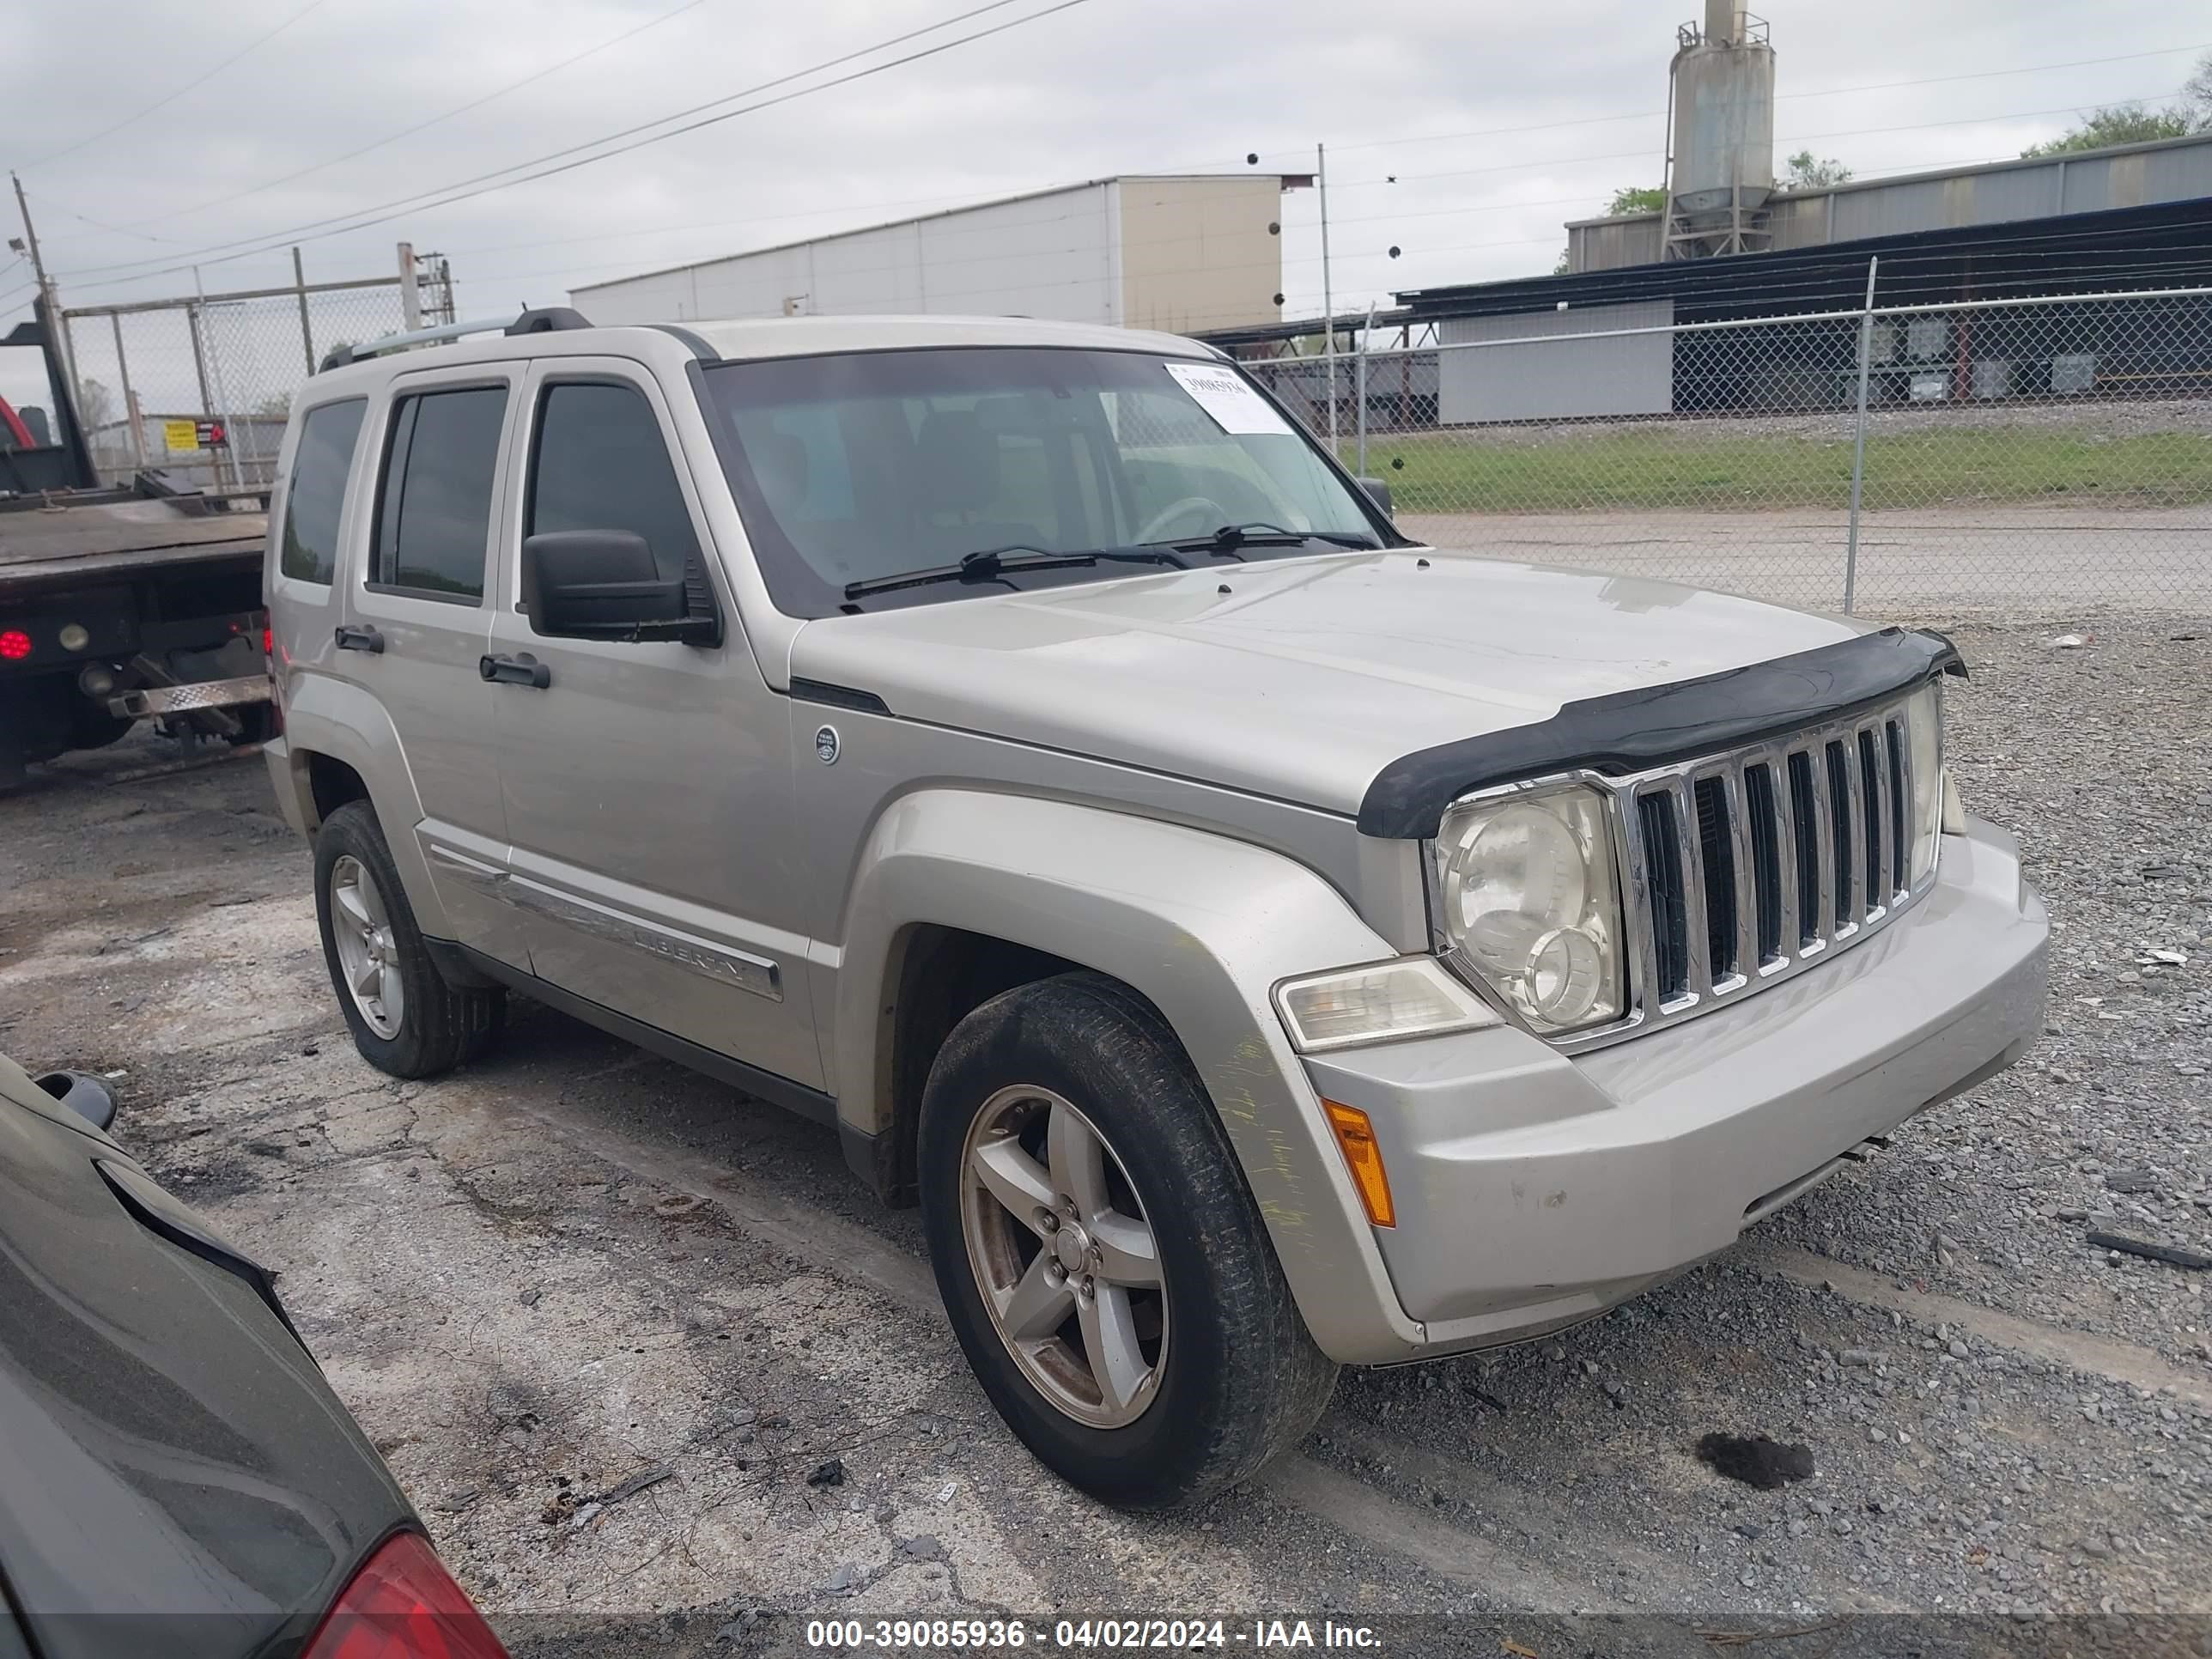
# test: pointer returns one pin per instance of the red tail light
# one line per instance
(404, 1604)
(268, 642)
(15, 645)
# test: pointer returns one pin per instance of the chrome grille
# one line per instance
(1745, 867)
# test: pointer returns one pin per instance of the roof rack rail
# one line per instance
(547, 321)
(552, 320)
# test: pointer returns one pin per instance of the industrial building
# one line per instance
(1183, 252)
(1731, 244)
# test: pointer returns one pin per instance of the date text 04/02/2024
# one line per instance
(894, 1635)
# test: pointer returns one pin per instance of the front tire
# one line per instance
(406, 1018)
(1071, 1165)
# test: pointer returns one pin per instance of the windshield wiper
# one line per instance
(987, 562)
(1224, 542)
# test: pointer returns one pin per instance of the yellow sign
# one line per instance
(178, 435)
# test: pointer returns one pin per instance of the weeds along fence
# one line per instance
(154, 377)
(2034, 457)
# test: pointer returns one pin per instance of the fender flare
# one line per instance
(327, 716)
(1202, 925)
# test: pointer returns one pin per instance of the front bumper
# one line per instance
(1534, 1189)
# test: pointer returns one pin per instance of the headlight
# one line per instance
(1923, 720)
(1412, 997)
(1531, 898)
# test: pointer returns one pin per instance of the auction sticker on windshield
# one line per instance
(1235, 406)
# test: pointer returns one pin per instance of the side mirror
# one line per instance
(604, 585)
(1377, 492)
(88, 1096)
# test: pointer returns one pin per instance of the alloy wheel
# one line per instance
(1065, 1256)
(368, 956)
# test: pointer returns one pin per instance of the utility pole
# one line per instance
(1328, 295)
(49, 305)
(410, 296)
(31, 238)
(1858, 445)
(306, 323)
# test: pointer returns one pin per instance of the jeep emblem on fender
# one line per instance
(826, 745)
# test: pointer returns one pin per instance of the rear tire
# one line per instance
(407, 1019)
(1155, 1260)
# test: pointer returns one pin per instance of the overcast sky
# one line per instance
(1498, 122)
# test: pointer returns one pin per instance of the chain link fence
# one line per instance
(154, 377)
(2029, 457)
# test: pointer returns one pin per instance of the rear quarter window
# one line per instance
(314, 499)
(440, 484)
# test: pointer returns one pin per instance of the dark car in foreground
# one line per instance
(176, 1477)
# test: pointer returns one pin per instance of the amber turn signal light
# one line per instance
(1355, 1139)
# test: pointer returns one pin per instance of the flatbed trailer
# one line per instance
(118, 605)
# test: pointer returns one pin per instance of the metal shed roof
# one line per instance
(2163, 246)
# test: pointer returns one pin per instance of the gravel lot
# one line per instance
(1994, 563)
(575, 1265)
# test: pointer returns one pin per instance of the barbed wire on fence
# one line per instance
(2052, 452)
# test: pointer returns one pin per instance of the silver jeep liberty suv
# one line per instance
(1258, 942)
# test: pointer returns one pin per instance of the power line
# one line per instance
(1801, 138)
(101, 224)
(460, 189)
(1376, 218)
(1828, 92)
(1420, 138)
(409, 132)
(464, 189)
(163, 103)
(1984, 74)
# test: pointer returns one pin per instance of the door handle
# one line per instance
(360, 639)
(522, 669)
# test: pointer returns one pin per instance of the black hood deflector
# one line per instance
(1658, 726)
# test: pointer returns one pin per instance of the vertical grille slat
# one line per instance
(1695, 937)
(1816, 881)
(1717, 864)
(1875, 789)
(1662, 863)
(1900, 806)
(1842, 858)
(1744, 956)
(1763, 831)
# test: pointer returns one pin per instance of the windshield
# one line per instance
(856, 467)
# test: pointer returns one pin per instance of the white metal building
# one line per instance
(1179, 252)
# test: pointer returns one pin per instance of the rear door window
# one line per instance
(433, 509)
(315, 498)
(601, 464)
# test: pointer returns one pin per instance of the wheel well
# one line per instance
(943, 975)
(332, 783)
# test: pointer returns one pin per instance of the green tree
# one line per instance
(1803, 172)
(1637, 198)
(2132, 124)
(2119, 124)
(2197, 93)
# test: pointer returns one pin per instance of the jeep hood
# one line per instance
(1299, 678)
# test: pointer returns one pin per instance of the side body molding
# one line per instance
(1204, 927)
